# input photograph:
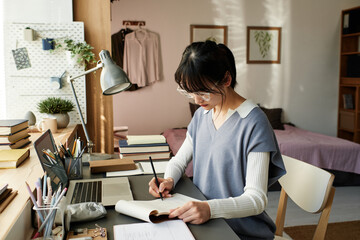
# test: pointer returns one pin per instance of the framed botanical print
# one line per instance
(263, 45)
(214, 33)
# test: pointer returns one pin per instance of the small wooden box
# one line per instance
(111, 165)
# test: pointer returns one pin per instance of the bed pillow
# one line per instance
(274, 116)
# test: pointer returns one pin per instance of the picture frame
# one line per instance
(263, 45)
(217, 33)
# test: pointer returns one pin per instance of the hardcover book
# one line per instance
(145, 156)
(141, 148)
(145, 139)
(12, 158)
(14, 137)
(18, 144)
(9, 126)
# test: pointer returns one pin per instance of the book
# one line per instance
(169, 230)
(12, 158)
(153, 211)
(143, 167)
(19, 144)
(111, 165)
(14, 137)
(348, 101)
(124, 147)
(4, 203)
(8, 126)
(145, 139)
(145, 156)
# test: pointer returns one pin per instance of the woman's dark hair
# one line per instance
(205, 65)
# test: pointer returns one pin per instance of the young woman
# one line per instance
(234, 150)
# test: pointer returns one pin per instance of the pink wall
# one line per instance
(305, 84)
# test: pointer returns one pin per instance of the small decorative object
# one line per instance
(81, 52)
(263, 45)
(21, 58)
(56, 82)
(30, 116)
(29, 34)
(58, 108)
(348, 101)
(214, 33)
(48, 44)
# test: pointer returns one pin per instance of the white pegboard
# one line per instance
(26, 87)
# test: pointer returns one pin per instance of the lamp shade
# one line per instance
(113, 79)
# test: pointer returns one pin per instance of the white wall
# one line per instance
(305, 84)
(28, 11)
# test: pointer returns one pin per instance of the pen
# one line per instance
(52, 210)
(34, 201)
(156, 179)
(44, 186)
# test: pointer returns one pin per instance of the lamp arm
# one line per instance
(98, 66)
(70, 79)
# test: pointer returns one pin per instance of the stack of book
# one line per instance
(14, 133)
(141, 147)
(6, 195)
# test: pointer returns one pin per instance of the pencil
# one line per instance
(156, 179)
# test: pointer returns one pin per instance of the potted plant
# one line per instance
(58, 108)
(79, 53)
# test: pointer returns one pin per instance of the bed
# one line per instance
(339, 156)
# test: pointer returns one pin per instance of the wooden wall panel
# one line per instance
(96, 17)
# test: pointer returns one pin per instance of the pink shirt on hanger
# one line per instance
(142, 57)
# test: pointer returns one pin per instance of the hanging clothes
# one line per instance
(142, 57)
(117, 45)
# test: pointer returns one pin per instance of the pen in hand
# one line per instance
(156, 179)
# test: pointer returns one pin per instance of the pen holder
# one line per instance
(73, 166)
(50, 230)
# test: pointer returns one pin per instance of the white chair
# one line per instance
(310, 188)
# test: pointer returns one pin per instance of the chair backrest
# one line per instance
(310, 188)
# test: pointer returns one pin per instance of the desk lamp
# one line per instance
(113, 80)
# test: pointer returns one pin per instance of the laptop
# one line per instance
(101, 190)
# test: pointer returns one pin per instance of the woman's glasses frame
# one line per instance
(204, 95)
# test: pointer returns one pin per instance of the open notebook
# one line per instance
(154, 211)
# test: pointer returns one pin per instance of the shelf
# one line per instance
(351, 35)
(349, 53)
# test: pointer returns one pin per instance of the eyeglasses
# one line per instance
(204, 95)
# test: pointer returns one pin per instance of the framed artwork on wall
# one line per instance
(263, 45)
(216, 33)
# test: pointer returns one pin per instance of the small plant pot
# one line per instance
(73, 60)
(48, 44)
(29, 34)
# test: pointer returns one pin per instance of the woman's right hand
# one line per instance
(165, 187)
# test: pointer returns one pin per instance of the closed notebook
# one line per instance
(141, 148)
(18, 144)
(145, 139)
(14, 137)
(12, 158)
(9, 126)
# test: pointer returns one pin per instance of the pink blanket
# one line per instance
(319, 150)
(314, 148)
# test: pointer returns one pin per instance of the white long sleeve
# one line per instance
(254, 199)
(177, 165)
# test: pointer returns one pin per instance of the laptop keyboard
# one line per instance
(87, 192)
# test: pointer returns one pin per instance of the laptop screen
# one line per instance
(54, 169)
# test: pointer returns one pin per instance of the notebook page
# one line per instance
(168, 230)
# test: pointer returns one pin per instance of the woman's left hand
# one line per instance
(193, 212)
